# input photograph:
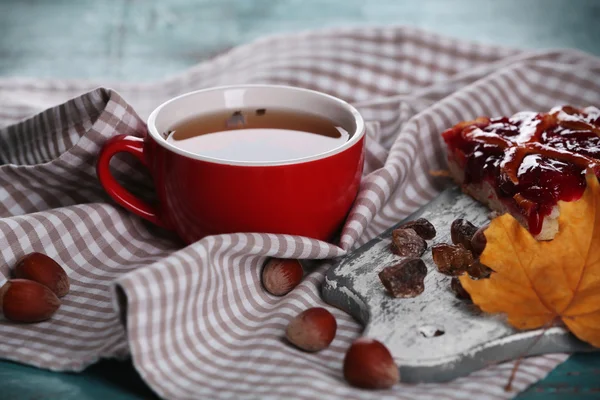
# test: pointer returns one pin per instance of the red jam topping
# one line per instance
(532, 160)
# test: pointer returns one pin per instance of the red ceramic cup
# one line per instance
(200, 196)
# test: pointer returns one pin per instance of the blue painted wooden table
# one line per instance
(147, 40)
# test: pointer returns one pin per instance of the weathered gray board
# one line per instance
(471, 339)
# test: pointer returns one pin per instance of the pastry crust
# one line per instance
(484, 193)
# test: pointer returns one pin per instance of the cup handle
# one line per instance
(134, 146)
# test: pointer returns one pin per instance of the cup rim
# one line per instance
(356, 136)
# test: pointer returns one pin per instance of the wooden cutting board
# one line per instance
(433, 337)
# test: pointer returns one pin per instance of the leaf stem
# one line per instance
(515, 367)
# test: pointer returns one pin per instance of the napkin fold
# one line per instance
(195, 319)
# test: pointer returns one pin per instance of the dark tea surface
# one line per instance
(259, 135)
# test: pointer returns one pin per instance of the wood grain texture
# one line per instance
(138, 40)
(146, 40)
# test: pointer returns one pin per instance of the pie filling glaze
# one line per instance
(531, 160)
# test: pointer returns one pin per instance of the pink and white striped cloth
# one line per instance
(195, 319)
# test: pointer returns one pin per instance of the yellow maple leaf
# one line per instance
(536, 283)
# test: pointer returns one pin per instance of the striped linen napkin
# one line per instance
(195, 319)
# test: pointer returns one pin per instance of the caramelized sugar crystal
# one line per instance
(461, 232)
(422, 227)
(452, 260)
(405, 279)
(407, 243)
(458, 290)
(477, 270)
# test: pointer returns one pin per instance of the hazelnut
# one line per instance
(40, 268)
(280, 276)
(368, 364)
(312, 330)
(22, 300)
